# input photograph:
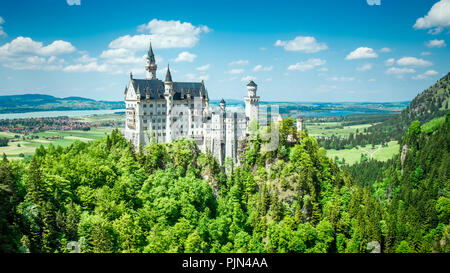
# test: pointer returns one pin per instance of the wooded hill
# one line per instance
(36, 102)
(172, 198)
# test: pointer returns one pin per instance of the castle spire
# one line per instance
(151, 66)
(150, 55)
(168, 75)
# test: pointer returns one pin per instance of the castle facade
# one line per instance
(162, 111)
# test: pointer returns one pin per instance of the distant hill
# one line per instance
(37, 102)
(432, 103)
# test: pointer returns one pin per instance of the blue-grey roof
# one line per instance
(155, 89)
(251, 83)
(150, 54)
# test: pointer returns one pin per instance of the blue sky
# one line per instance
(330, 51)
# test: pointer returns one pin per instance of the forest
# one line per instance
(172, 198)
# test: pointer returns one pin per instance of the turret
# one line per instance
(300, 124)
(151, 66)
(168, 94)
(222, 105)
(251, 102)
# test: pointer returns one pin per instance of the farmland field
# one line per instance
(377, 152)
(18, 148)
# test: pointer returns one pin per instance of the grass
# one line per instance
(432, 125)
(327, 129)
(353, 155)
(27, 147)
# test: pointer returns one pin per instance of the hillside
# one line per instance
(432, 103)
(36, 102)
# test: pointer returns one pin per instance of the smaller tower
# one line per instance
(151, 66)
(168, 94)
(251, 102)
(222, 105)
(300, 124)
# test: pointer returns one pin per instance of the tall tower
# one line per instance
(151, 66)
(222, 105)
(168, 94)
(251, 102)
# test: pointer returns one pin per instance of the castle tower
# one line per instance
(251, 102)
(168, 94)
(222, 105)
(300, 124)
(151, 66)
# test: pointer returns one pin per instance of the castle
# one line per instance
(162, 111)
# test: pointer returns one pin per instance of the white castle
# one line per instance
(162, 111)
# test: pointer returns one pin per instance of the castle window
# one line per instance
(151, 105)
(145, 105)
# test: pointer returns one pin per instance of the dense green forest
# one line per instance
(432, 103)
(172, 198)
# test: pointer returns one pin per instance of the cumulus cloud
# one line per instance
(307, 65)
(364, 67)
(185, 57)
(73, 2)
(163, 34)
(400, 71)
(24, 53)
(385, 50)
(89, 67)
(236, 71)
(341, 79)
(248, 78)
(426, 75)
(362, 53)
(203, 67)
(25, 45)
(2, 32)
(262, 68)
(195, 77)
(239, 62)
(306, 44)
(412, 61)
(436, 43)
(390, 62)
(437, 17)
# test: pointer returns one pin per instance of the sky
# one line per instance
(303, 51)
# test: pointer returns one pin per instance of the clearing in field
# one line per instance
(377, 152)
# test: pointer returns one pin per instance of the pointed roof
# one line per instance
(168, 75)
(222, 101)
(150, 54)
(251, 83)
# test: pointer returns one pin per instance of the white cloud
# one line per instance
(25, 45)
(341, 79)
(262, 68)
(362, 53)
(412, 61)
(364, 67)
(90, 67)
(73, 2)
(437, 17)
(436, 43)
(203, 67)
(236, 71)
(385, 50)
(163, 34)
(426, 75)
(305, 44)
(2, 32)
(400, 71)
(426, 53)
(248, 78)
(185, 57)
(435, 31)
(195, 77)
(239, 62)
(325, 88)
(390, 62)
(372, 80)
(24, 53)
(85, 58)
(307, 65)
